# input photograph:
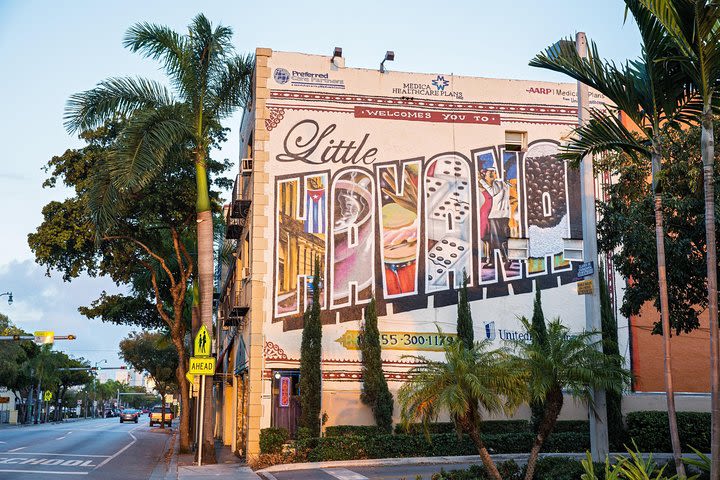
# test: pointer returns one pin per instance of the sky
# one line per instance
(51, 49)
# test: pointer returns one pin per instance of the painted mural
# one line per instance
(400, 189)
(411, 229)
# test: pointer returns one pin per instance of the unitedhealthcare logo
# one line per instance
(490, 331)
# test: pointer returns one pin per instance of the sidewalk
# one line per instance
(183, 467)
(21, 425)
(520, 458)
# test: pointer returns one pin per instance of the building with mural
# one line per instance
(397, 184)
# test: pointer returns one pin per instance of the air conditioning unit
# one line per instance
(245, 273)
(515, 141)
(246, 166)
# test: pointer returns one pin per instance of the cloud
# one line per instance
(47, 303)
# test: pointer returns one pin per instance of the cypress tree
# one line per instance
(376, 393)
(539, 335)
(616, 430)
(310, 356)
(465, 331)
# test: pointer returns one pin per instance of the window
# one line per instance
(515, 141)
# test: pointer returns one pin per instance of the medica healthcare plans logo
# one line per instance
(306, 79)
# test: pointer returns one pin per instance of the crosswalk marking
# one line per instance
(344, 474)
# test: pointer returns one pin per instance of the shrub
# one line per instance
(356, 430)
(509, 470)
(338, 448)
(651, 432)
(489, 427)
(417, 428)
(577, 426)
(562, 468)
(273, 439)
(493, 427)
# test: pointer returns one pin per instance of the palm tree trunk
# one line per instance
(205, 277)
(707, 144)
(484, 454)
(553, 405)
(665, 316)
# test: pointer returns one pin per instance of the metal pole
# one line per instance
(598, 418)
(202, 413)
(197, 419)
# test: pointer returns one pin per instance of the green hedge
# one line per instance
(495, 427)
(651, 432)
(577, 426)
(417, 428)
(354, 430)
(272, 439)
(351, 447)
(508, 471)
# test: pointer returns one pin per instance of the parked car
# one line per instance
(129, 415)
(156, 415)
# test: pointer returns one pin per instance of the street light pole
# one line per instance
(94, 410)
(598, 417)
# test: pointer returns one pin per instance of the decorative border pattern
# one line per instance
(533, 109)
(273, 351)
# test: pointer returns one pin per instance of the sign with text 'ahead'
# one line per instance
(202, 366)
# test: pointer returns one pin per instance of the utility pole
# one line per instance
(598, 418)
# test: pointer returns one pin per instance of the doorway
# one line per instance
(286, 400)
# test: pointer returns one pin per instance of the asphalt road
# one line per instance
(406, 472)
(101, 449)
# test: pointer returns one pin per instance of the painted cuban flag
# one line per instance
(315, 211)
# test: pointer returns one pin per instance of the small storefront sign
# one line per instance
(285, 386)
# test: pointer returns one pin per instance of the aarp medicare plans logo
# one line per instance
(281, 75)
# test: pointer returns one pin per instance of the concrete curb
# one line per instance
(520, 458)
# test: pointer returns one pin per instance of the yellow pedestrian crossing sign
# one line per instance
(47, 396)
(203, 340)
(202, 366)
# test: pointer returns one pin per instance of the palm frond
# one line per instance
(231, 88)
(164, 44)
(104, 199)
(145, 143)
(113, 98)
(604, 132)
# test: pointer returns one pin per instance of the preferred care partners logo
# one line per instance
(298, 78)
(437, 87)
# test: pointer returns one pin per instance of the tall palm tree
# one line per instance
(468, 378)
(653, 96)
(564, 362)
(694, 28)
(209, 82)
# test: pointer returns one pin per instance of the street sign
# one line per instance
(79, 402)
(4, 399)
(42, 337)
(190, 377)
(47, 396)
(202, 365)
(203, 340)
(585, 269)
(585, 287)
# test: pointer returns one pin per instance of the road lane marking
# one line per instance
(121, 450)
(47, 461)
(344, 474)
(56, 454)
(64, 436)
(44, 472)
(16, 449)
